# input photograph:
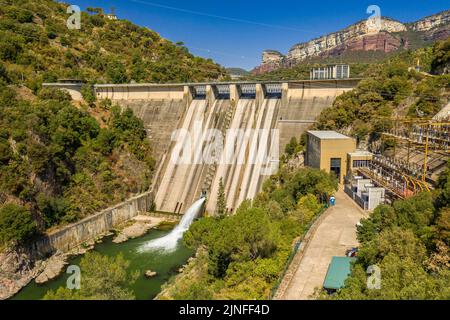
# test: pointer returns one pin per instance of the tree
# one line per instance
(443, 187)
(116, 72)
(16, 225)
(54, 94)
(401, 242)
(441, 61)
(221, 205)
(87, 91)
(292, 147)
(102, 278)
(401, 279)
(94, 10)
(3, 73)
(307, 208)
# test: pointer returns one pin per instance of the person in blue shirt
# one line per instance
(332, 200)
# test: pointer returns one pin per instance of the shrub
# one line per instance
(16, 225)
(87, 91)
(54, 94)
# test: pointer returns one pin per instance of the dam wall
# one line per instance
(291, 107)
(303, 102)
(139, 91)
(91, 227)
(160, 117)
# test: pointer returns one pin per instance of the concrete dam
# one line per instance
(205, 133)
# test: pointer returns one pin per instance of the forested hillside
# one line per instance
(36, 46)
(58, 163)
(60, 160)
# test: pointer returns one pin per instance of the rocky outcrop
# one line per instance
(319, 46)
(150, 274)
(388, 36)
(17, 268)
(53, 268)
(431, 22)
(272, 56)
(140, 227)
(271, 60)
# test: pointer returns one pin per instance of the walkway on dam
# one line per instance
(335, 234)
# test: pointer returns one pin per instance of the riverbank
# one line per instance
(166, 265)
(20, 267)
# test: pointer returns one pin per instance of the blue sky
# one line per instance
(235, 32)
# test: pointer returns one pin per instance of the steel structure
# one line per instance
(423, 134)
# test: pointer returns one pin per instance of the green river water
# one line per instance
(165, 264)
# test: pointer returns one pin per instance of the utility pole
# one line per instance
(425, 161)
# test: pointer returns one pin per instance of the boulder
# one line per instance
(150, 274)
(53, 268)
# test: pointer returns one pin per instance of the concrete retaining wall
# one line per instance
(91, 227)
(74, 89)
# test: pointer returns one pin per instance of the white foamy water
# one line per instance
(170, 241)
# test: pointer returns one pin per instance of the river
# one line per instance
(165, 263)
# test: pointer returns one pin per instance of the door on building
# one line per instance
(335, 167)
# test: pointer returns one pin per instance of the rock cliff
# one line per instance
(388, 36)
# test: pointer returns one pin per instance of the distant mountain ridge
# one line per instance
(362, 36)
(237, 73)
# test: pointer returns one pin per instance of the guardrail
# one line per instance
(310, 228)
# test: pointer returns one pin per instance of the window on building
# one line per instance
(339, 72)
(361, 163)
(335, 167)
(345, 71)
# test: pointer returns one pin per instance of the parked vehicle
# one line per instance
(351, 252)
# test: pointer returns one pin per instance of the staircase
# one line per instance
(223, 127)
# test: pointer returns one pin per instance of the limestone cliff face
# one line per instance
(431, 22)
(271, 60)
(355, 32)
(388, 36)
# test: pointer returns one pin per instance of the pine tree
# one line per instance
(221, 206)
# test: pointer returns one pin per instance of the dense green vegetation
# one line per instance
(441, 60)
(242, 256)
(102, 278)
(293, 147)
(16, 224)
(59, 164)
(36, 46)
(390, 89)
(409, 241)
(61, 161)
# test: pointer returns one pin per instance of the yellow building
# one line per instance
(330, 151)
(358, 159)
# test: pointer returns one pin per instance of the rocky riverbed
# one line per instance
(140, 226)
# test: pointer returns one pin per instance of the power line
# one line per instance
(205, 14)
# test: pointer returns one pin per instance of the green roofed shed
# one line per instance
(338, 271)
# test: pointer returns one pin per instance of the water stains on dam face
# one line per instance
(254, 120)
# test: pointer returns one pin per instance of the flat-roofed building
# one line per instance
(328, 150)
(358, 159)
(333, 71)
